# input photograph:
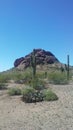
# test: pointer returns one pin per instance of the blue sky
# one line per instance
(28, 24)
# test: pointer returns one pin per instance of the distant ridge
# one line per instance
(42, 57)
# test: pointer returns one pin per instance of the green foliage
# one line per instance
(58, 78)
(17, 76)
(50, 96)
(45, 74)
(28, 90)
(31, 95)
(4, 78)
(37, 83)
(14, 91)
(62, 69)
(3, 86)
(27, 94)
(42, 75)
(26, 78)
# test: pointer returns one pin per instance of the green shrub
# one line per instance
(17, 76)
(58, 78)
(31, 95)
(41, 75)
(27, 78)
(3, 86)
(4, 78)
(50, 96)
(23, 78)
(37, 84)
(27, 94)
(28, 90)
(14, 91)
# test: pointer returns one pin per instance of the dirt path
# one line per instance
(57, 115)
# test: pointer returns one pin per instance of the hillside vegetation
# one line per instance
(46, 73)
(36, 76)
(35, 90)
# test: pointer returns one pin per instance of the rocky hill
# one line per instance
(42, 57)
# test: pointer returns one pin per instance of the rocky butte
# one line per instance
(42, 57)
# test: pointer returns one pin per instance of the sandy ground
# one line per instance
(56, 115)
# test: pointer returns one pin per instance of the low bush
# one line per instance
(14, 91)
(3, 86)
(58, 78)
(41, 75)
(37, 84)
(23, 78)
(20, 77)
(31, 95)
(4, 78)
(27, 94)
(50, 96)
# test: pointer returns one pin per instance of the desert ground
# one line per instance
(55, 115)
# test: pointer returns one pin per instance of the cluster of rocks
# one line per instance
(42, 57)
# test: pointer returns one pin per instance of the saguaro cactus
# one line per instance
(68, 67)
(33, 63)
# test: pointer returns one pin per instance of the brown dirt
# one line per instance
(55, 115)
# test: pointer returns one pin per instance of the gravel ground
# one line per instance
(55, 115)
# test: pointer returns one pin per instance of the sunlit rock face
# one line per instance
(42, 57)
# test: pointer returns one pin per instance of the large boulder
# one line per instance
(42, 57)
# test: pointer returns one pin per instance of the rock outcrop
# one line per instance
(42, 57)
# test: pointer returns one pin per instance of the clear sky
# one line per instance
(28, 24)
